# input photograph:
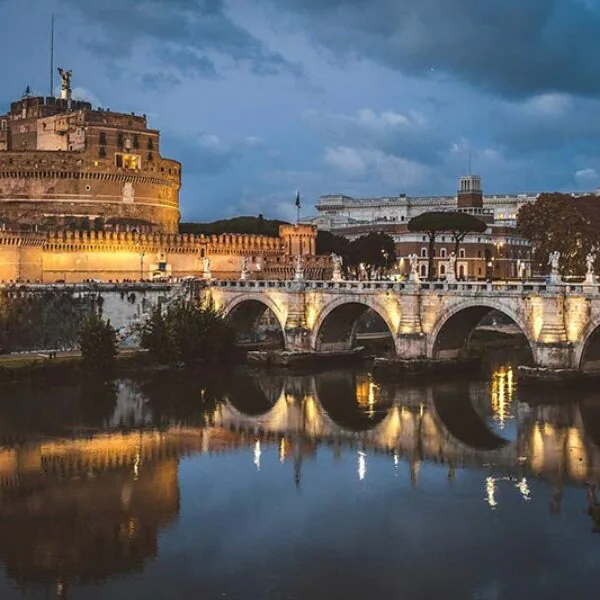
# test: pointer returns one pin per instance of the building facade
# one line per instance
(497, 253)
(62, 162)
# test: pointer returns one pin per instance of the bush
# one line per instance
(98, 343)
(187, 332)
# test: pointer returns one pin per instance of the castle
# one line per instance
(86, 194)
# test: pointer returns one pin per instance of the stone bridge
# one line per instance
(427, 320)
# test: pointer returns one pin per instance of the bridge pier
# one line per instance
(411, 345)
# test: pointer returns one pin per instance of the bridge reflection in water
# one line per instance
(469, 425)
(83, 507)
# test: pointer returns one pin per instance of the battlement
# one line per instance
(236, 244)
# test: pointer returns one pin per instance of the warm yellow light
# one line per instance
(490, 489)
(501, 394)
(282, 449)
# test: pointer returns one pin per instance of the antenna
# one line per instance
(52, 58)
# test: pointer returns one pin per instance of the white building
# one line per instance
(338, 211)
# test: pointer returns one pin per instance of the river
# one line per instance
(315, 485)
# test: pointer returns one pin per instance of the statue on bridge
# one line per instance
(413, 260)
(590, 260)
(299, 271)
(337, 267)
(244, 269)
(554, 262)
(451, 272)
(207, 274)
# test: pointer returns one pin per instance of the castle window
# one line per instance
(128, 161)
(423, 252)
(443, 252)
(120, 140)
(102, 152)
(102, 139)
(150, 157)
(136, 141)
(150, 144)
(461, 253)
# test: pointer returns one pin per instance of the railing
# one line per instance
(510, 287)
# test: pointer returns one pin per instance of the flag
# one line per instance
(297, 199)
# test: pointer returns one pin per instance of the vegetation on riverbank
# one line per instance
(98, 344)
(188, 333)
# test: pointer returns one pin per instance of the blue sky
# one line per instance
(365, 97)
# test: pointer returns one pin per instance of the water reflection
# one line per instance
(90, 477)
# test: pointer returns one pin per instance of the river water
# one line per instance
(317, 485)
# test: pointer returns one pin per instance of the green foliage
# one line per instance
(328, 243)
(187, 332)
(98, 343)
(457, 223)
(563, 223)
(47, 320)
(250, 225)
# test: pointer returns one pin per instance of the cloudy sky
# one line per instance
(364, 97)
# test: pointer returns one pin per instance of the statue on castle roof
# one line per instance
(65, 82)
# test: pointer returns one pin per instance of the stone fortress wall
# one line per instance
(76, 256)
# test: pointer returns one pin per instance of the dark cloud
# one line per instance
(548, 123)
(410, 136)
(202, 154)
(159, 82)
(181, 33)
(515, 48)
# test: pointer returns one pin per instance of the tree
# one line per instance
(559, 222)
(376, 251)
(328, 243)
(457, 223)
(187, 332)
(249, 225)
(460, 224)
(98, 343)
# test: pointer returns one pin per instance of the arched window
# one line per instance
(423, 252)
(442, 269)
(443, 253)
(423, 270)
(461, 253)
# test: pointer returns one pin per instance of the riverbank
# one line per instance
(47, 367)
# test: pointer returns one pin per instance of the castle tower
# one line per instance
(469, 192)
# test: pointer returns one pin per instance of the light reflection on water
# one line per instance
(292, 477)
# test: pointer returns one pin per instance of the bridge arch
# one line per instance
(351, 401)
(587, 351)
(245, 311)
(453, 329)
(335, 325)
